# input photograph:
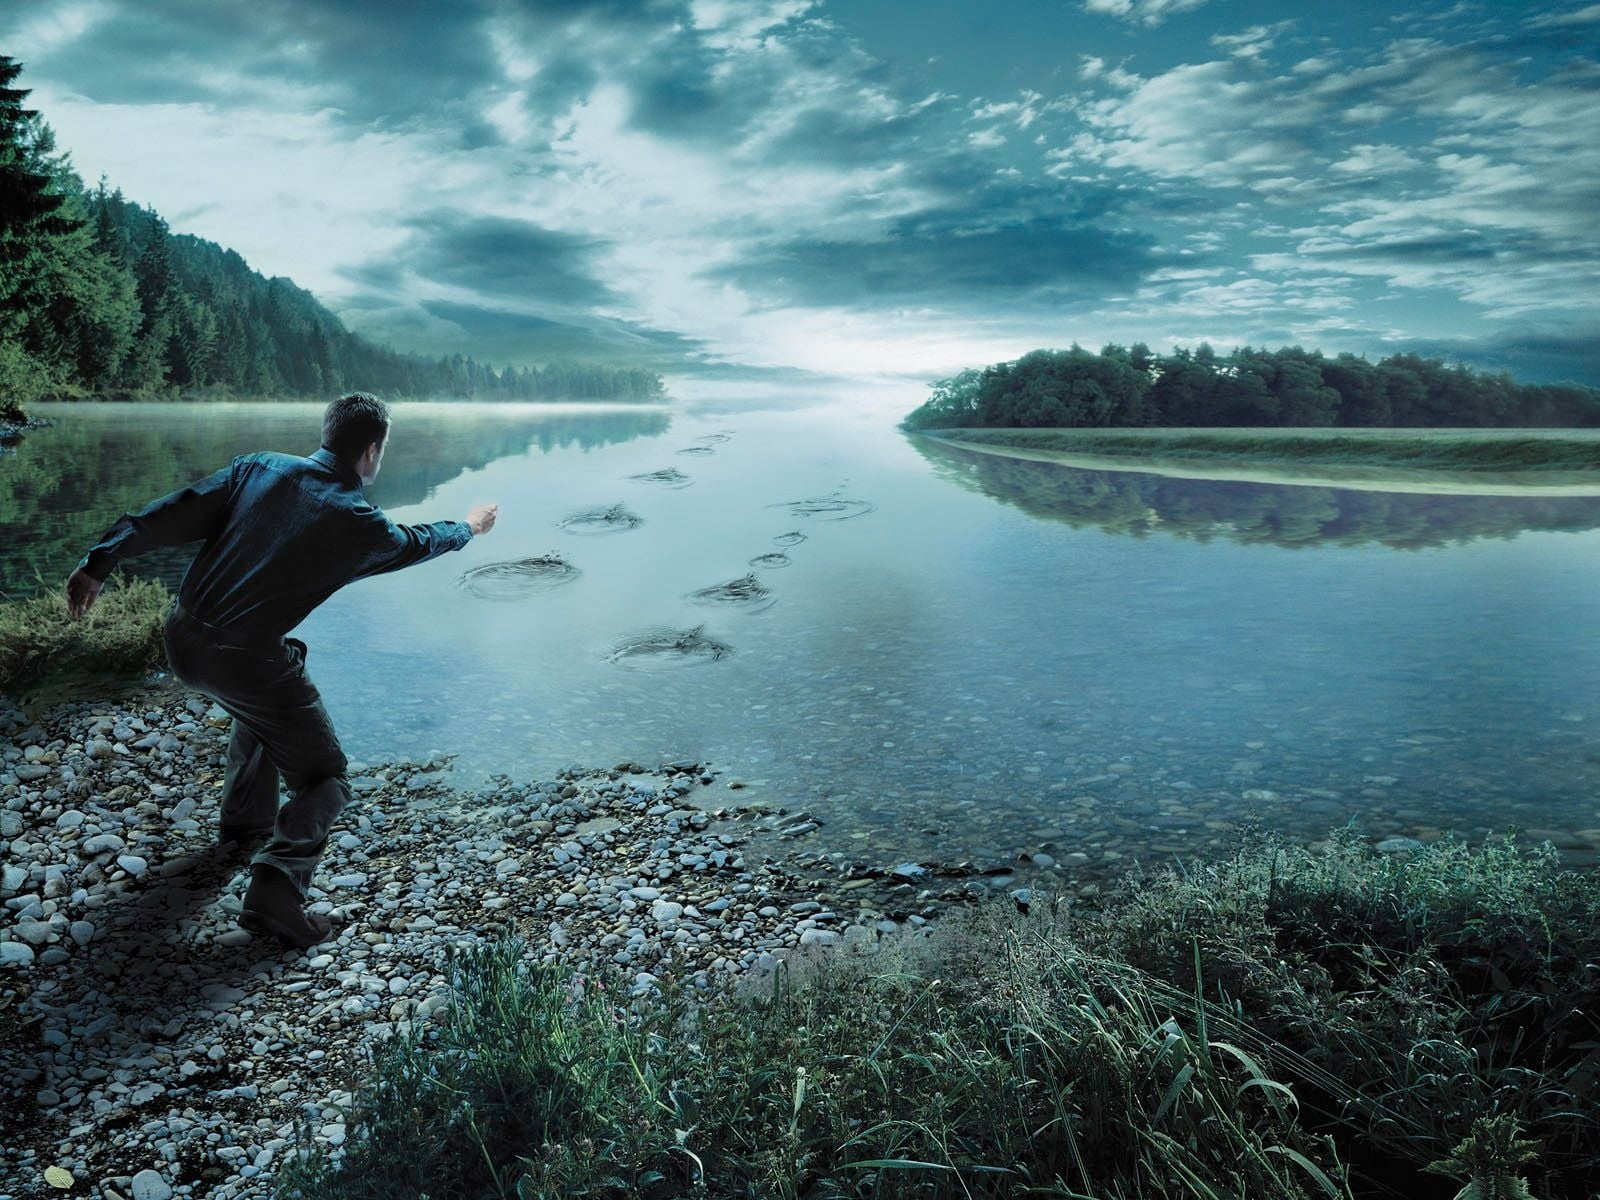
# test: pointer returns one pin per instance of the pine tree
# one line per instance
(31, 219)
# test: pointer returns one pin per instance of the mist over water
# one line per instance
(964, 655)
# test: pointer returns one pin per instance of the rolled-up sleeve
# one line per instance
(383, 545)
(186, 515)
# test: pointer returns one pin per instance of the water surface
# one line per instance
(965, 655)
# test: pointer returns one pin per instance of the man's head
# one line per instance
(356, 428)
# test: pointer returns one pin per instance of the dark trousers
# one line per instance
(280, 730)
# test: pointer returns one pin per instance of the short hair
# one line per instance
(352, 423)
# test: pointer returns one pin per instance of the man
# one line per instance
(282, 534)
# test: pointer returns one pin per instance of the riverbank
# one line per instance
(144, 1031)
(14, 424)
(606, 945)
(1456, 461)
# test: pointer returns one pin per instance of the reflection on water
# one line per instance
(1140, 503)
(953, 671)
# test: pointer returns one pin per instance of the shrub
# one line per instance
(121, 635)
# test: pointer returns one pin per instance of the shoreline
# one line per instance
(122, 955)
(159, 1050)
(1261, 465)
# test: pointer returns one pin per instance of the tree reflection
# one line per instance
(1139, 504)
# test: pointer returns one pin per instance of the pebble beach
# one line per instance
(152, 1048)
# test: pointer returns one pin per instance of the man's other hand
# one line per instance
(82, 588)
(482, 518)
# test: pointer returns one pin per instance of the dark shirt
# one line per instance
(282, 534)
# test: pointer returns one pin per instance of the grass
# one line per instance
(1435, 449)
(1287, 1023)
(121, 635)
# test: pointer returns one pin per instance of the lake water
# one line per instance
(973, 657)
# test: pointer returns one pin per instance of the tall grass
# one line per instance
(1282, 1024)
(120, 635)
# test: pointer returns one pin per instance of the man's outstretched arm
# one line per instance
(186, 515)
(388, 546)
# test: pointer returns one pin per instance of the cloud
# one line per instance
(504, 258)
(948, 258)
(1500, 174)
(1563, 353)
(1143, 12)
(1588, 15)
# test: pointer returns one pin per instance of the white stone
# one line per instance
(132, 864)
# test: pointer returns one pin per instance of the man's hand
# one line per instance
(82, 588)
(482, 518)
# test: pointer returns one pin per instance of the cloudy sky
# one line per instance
(864, 186)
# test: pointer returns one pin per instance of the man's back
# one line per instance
(282, 533)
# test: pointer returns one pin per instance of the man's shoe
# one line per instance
(272, 906)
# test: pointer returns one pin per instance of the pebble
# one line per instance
(149, 1185)
(586, 868)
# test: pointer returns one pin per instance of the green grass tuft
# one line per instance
(121, 635)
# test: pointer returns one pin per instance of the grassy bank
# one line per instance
(121, 635)
(1552, 453)
(1286, 1023)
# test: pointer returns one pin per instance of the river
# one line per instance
(964, 656)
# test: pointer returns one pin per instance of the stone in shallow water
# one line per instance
(1397, 845)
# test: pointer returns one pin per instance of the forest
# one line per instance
(1290, 386)
(99, 298)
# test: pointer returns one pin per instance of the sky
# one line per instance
(741, 188)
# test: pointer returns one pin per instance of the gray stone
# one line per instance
(666, 910)
(16, 954)
(100, 843)
(28, 772)
(132, 864)
(37, 932)
(70, 819)
(1397, 845)
(148, 1185)
(82, 932)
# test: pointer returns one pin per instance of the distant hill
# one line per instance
(1130, 386)
(99, 298)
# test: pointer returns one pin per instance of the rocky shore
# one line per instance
(11, 431)
(150, 1048)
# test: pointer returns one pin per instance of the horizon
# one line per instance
(794, 190)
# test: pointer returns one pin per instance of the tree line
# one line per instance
(99, 297)
(1290, 386)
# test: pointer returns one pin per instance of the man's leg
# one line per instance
(250, 789)
(299, 738)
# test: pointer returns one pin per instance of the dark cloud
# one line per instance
(383, 63)
(1564, 354)
(925, 258)
(439, 327)
(502, 257)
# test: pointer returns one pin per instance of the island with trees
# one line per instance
(1256, 407)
